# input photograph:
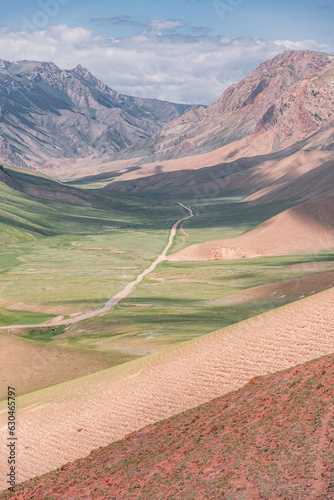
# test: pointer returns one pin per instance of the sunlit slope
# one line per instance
(257, 442)
(70, 420)
(306, 228)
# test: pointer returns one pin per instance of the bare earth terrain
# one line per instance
(306, 228)
(36, 366)
(271, 439)
(69, 420)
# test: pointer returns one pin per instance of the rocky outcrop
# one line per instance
(9, 155)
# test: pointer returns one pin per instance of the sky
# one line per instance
(179, 50)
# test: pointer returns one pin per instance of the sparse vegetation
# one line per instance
(191, 330)
(224, 449)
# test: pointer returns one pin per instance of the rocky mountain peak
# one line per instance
(70, 114)
(83, 72)
(289, 97)
(277, 75)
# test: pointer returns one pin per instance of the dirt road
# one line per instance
(121, 295)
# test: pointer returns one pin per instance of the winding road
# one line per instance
(121, 295)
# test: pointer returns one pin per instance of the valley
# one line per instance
(84, 255)
(166, 256)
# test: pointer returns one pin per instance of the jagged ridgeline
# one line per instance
(286, 100)
(46, 112)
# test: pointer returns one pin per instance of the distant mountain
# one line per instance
(283, 101)
(46, 112)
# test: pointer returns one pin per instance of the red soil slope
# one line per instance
(64, 423)
(271, 439)
(306, 228)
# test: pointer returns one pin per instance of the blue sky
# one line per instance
(183, 50)
(292, 19)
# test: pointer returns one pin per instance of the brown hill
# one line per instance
(36, 365)
(271, 439)
(308, 227)
(285, 176)
(67, 421)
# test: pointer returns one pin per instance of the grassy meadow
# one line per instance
(181, 301)
(64, 255)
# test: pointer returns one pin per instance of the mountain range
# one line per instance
(53, 118)
(284, 101)
(47, 112)
(281, 110)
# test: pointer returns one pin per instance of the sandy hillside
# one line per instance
(298, 185)
(70, 420)
(254, 443)
(278, 168)
(306, 228)
(36, 366)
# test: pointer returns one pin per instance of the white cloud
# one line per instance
(301, 45)
(160, 25)
(179, 68)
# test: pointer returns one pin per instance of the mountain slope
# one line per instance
(283, 101)
(292, 174)
(32, 205)
(46, 112)
(270, 439)
(308, 227)
(83, 414)
(317, 182)
(38, 186)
